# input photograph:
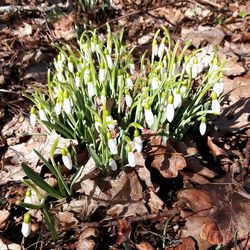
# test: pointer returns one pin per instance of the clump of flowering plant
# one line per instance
(96, 98)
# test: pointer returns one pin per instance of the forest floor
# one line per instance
(201, 204)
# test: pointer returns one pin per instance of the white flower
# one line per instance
(161, 47)
(215, 103)
(154, 83)
(109, 61)
(66, 103)
(170, 109)
(177, 98)
(27, 198)
(203, 126)
(109, 118)
(129, 82)
(218, 87)
(42, 115)
(149, 117)
(138, 141)
(175, 69)
(58, 107)
(131, 157)
(113, 164)
(120, 80)
(112, 144)
(91, 89)
(77, 81)
(71, 66)
(102, 74)
(128, 100)
(26, 225)
(97, 126)
(155, 48)
(34, 198)
(33, 117)
(86, 75)
(59, 76)
(66, 158)
(183, 89)
(132, 68)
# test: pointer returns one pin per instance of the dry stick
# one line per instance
(208, 2)
(113, 222)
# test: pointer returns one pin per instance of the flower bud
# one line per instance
(129, 82)
(138, 141)
(70, 65)
(161, 47)
(131, 157)
(66, 102)
(155, 83)
(58, 106)
(128, 99)
(203, 126)
(66, 158)
(42, 114)
(215, 103)
(113, 164)
(102, 72)
(91, 88)
(112, 144)
(77, 80)
(27, 198)
(26, 225)
(170, 109)
(177, 98)
(109, 60)
(33, 116)
(155, 48)
(149, 117)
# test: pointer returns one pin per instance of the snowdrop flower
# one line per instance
(70, 65)
(66, 102)
(77, 79)
(119, 78)
(162, 69)
(155, 48)
(129, 82)
(214, 66)
(165, 61)
(132, 67)
(175, 69)
(112, 144)
(26, 225)
(27, 198)
(33, 116)
(203, 125)
(137, 141)
(215, 103)
(113, 164)
(97, 124)
(183, 89)
(218, 87)
(131, 157)
(34, 198)
(109, 59)
(58, 106)
(91, 87)
(42, 114)
(128, 98)
(66, 158)
(170, 109)
(59, 76)
(177, 98)
(155, 83)
(161, 47)
(86, 75)
(109, 118)
(103, 97)
(102, 72)
(149, 117)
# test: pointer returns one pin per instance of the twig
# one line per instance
(210, 3)
(113, 222)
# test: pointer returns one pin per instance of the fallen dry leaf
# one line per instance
(23, 31)
(211, 233)
(66, 219)
(8, 245)
(85, 242)
(144, 245)
(123, 231)
(216, 151)
(154, 202)
(213, 35)
(4, 215)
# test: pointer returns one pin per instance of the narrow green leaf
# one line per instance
(31, 206)
(38, 180)
(95, 157)
(75, 177)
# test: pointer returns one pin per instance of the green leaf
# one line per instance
(49, 220)
(38, 180)
(135, 125)
(75, 177)
(95, 157)
(31, 206)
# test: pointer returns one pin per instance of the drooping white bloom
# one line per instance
(86, 75)
(42, 114)
(175, 69)
(132, 68)
(215, 103)
(203, 126)
(119, 80)
(155, 48)
(66, 158)
(154, 83)
(128, 100)
(66, 103)
(59, 76)
(149, 117)
(218, 87)
(26, 225)
(138, 141)
(112, 144)
(183, 89)
(77, 80)
(102, 74)
(161, 48)
(177, 98)
(170, 109)
(91, 89)
(33, 117)
(214, 66)
(34, 198)
(113, 164)
(109, 61)
(58, 106)
(70, 66)
(129, 82)
(27, 198)
(131, 157)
